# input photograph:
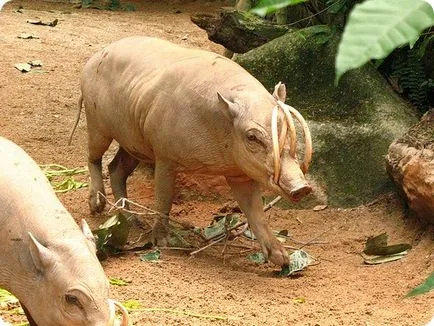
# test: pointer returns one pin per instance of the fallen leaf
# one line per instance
(132, 304)
(35, 63)
(220, 224)
(319, 208)
(299, 300)
(27, 36)
(118, 281)
(40, 22)
(23, 67)
(257, 257)
(377, 246)
(384, 259)
(426, 286)
(299, 260)
(151, 256)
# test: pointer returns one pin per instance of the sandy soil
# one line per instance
(38, 110)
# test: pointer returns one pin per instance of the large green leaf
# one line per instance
(376, 27)
(426, 286)
(268, 6)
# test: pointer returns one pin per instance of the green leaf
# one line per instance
(151, 256)
(376, 27)
(132, 304)
(257, 257)
(268, 6)
(220, 224)
(426, 286)
(299, 260)
(378, 246)
(111, 235)
(118, 281)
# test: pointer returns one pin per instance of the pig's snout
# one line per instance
(299, 192)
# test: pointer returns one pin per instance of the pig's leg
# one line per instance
(248, 195)
(122, 165)
(97, 144)
(164, 179)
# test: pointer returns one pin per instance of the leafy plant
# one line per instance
(265, 7)
(409, 72)
(376, 27)
(426, 286)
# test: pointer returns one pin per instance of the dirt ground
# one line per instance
(38, 111)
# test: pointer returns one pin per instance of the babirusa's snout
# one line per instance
(299, 192)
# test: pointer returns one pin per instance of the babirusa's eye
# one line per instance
(72, 300)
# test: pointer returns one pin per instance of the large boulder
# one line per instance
(410, 162)
(352, 124)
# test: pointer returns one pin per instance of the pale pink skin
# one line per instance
(186, 110)
(44, 254)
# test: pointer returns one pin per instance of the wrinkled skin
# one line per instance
(186, 110)
(53, 270)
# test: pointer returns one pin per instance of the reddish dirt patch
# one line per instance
(38, 110)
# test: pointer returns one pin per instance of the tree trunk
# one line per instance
(238, 31)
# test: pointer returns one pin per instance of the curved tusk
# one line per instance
(275, 139)
(283, 133)
(292, 131)
(124, 311)
(307, 139)
(112, 311)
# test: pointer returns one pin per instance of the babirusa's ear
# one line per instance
(88, 234)
(280, 92)
(41, 256)
(231, 109)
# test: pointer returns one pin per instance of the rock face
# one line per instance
(352, 124)
(410, 163)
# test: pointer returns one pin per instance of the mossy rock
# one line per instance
(352, 124)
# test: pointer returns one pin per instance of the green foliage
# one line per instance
(265, 7)
(118, 281)
(114, 5)
(257, 257)
(426, 286)
(151, 256)
(61, 178)
(409, 71)
(376, 27)
(338, 6)
(220, 224)
(112, 235)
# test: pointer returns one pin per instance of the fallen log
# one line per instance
(238, 31)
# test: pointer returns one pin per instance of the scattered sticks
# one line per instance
(228, 236)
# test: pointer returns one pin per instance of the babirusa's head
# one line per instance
(71, 287)
(265, 140)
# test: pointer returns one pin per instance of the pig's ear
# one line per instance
(88, 234)
(280, 92)
(41, 256)
(231, 109)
